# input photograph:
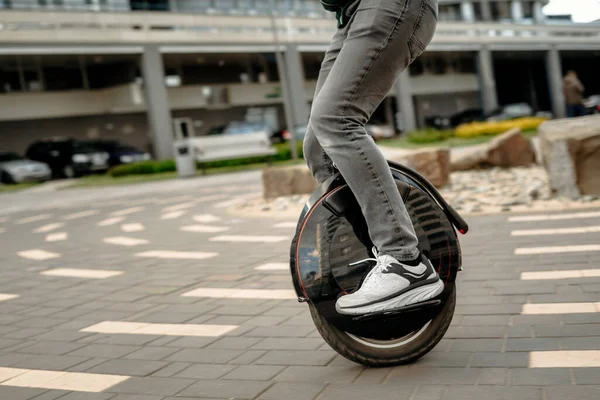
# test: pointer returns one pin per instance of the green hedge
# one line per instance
(284, 152)
(429, 136)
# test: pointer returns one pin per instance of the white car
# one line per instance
(17, 169)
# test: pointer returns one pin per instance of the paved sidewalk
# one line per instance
(147, 298)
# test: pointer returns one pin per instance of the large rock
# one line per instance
(511, 149)
(571, 154)
(432, 164)
(286, 181)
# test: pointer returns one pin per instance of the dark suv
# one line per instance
(68, 158)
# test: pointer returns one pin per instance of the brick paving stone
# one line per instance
(587, 376)
(103, 350)
(204, 371)
(51, 348)
(128, 367)
(227, 320)
(84, 366)
(528, 289)
(319, 374)
(433, 376)
(205, 356)
(493, 376)
(151, 353)
(171, 369)
(293, 391)
(489, 309)
(476, 345)
(233, 343)
(428, 392)
(248, 357)
(62, 335)
(539, 376)
(266, 320)
(451, 359)
(373, 375)
(485, 320)
(492, 393)
(136, 397)
(280, 331)
(18, 393)
(472, 332)
(537, 344)
(88, 396)
(192, 342)
(580, 318)
(225, 389)
(365, 390)
(127, 340)
(51, 395)
(288, 344)
(49, 362)
(151, 386)
(581, 343)
(509, 360)
(521, 331)
(573, 393)
(24, 333)
(579, 330)
(292, 357)
(254, 372)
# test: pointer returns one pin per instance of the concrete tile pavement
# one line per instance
(274, 352)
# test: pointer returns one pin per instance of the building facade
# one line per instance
(143, 71)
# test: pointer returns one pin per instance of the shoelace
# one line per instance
(379, 265)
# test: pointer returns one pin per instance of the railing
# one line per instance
(169, 28)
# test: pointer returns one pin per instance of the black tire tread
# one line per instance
(330, 334)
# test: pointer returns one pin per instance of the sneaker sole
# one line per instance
(415, 296)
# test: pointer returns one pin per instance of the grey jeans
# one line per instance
(359, 69)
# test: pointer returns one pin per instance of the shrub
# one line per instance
(154, 167)
(142, 168)
(474, 129)
(428, 136)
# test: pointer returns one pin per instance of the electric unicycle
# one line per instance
(332, 234)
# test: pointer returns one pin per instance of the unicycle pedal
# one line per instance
(398, 311)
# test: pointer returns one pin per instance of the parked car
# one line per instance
(243, 127)
(454, 120)
(285, 134)
(17, 169)
(592, 105)
(119, 153)
(68, 158)
(510, 111)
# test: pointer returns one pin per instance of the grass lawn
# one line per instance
(107, 180)
(16, 187)
(451, 142)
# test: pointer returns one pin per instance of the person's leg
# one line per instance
(570, 110)
(384, 37)
(317, 160)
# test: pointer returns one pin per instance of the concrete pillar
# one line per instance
(538, 13)
(157, 102)
(487, 82)
(295, 84)
(405, 114)
(516, 10)
(555, 79)
(486, 10)
(467, 11)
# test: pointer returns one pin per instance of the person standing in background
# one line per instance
(574, 95)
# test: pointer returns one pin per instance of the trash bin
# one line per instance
(184, 158)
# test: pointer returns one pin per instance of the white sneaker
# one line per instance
(391, 284)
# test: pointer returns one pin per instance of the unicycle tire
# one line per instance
(384, 354)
